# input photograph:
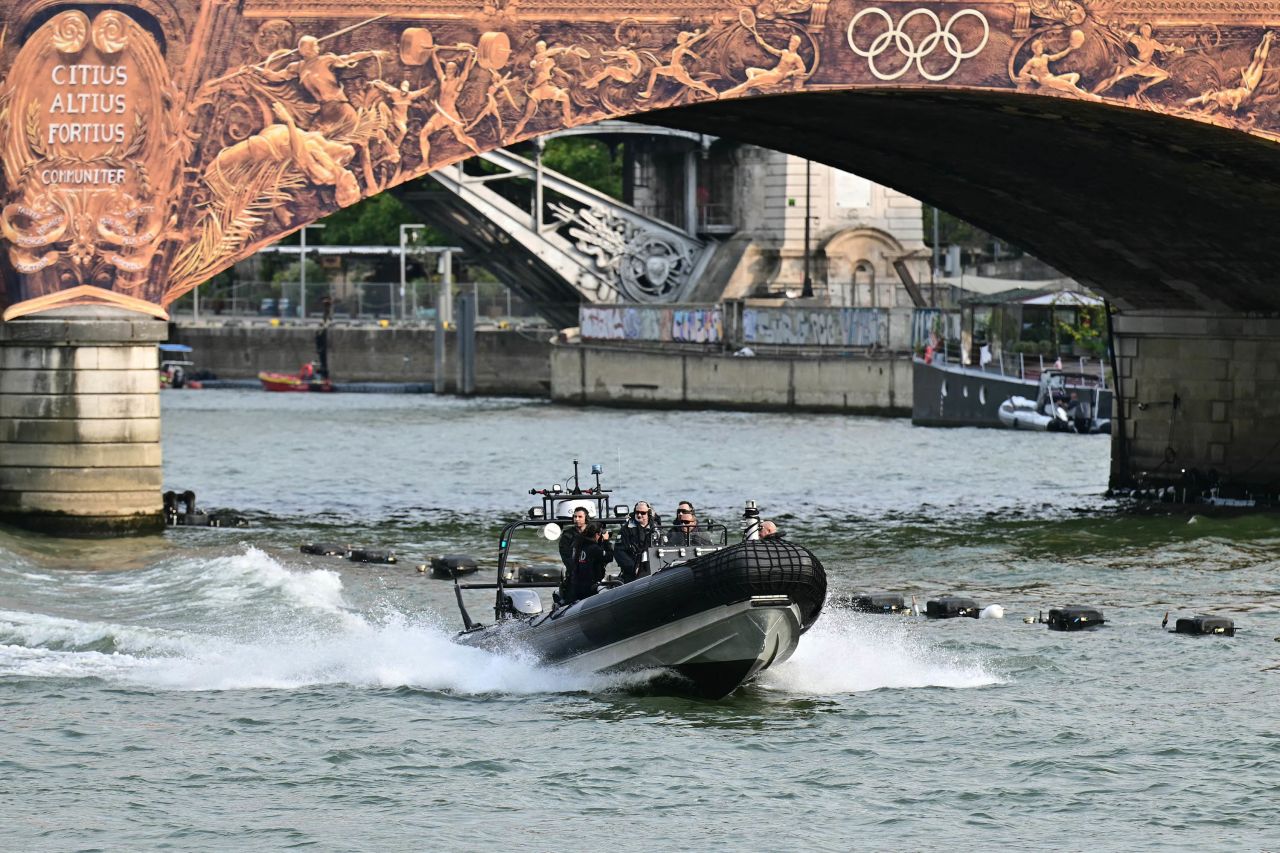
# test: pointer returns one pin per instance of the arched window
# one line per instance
(864, 279)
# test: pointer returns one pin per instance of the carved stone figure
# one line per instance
(446, 116)
(1230, 100)
(790, 67)
(316, 73)
(1037, 72)
(627, 72)
(399, 101)
(317, 157)
(499, 84)
(544, 87)
(675, 66)
(1143, 65)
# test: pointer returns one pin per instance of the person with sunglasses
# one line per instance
(686, 531)
(638, 536)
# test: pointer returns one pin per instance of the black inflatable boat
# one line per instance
(717, 615)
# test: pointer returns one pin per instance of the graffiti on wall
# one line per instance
(850, 327)
(702, 324)
(935, 322)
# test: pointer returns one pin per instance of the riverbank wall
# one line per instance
(525, 362)
(513, 362)
(603, 375)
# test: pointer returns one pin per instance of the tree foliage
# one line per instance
(587, 161)
(954, 231)
(374, 221)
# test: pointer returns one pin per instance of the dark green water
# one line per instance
(219, 690)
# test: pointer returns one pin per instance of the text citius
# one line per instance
(95, 103)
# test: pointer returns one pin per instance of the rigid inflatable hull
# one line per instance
(718, 620)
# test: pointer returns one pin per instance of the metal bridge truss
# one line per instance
(555, 241)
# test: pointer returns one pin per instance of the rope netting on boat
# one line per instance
(764, 567)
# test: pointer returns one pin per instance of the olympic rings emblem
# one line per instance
(916, 53)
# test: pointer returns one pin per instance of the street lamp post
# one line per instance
(302, 270)
(806, 290)
(936, 269)
(404, 240)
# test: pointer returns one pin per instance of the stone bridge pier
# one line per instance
(80, 422)
(1200, 402)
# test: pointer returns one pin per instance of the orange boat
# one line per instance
(304, 381)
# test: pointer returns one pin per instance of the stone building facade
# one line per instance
(755, 200)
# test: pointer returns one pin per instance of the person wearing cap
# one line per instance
(638, 536)
(686, 531)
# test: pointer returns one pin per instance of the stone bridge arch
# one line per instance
(1132, 145)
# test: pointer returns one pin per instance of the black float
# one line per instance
(448, 565)
(371, 555)
(535, 574)
(180, 511)
(1202, 624)
(951, 607)
(878, 602)
(324, 549)
(1074, 618)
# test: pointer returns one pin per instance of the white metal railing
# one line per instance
(1024, 366)
(370, 300)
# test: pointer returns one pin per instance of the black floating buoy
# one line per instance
(539, 574)
(878, 602)
(370, 555)
(448, 565)
(951, 607)
(324, 549)
(1074, 618)
(1201, 624)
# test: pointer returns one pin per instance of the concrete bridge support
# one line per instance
(1201, 401)
(80, 422)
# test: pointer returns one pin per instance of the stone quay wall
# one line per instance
(598, 374)
(508, 361)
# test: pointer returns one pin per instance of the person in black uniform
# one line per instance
(569, 536)
(592, 551)
(638, 536)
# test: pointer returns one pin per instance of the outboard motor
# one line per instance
(1082, 413)
(521, 602)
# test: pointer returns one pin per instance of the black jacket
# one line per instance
(683, 537)
(567, 537)
(589, 561)
(634, 546)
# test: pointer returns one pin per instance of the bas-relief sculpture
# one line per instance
(145, 151)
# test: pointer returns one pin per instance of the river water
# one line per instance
(215, 689)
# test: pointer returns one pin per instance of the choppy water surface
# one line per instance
(217, 689)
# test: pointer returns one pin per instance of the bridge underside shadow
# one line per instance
(1155, 212)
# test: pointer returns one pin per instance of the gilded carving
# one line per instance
(445, 115)
(1037, 72)
(132, 173)
(550, 83)
(1231, 99)
(1143, 64)
(675, 68)
(790, 68)
(91, 166)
